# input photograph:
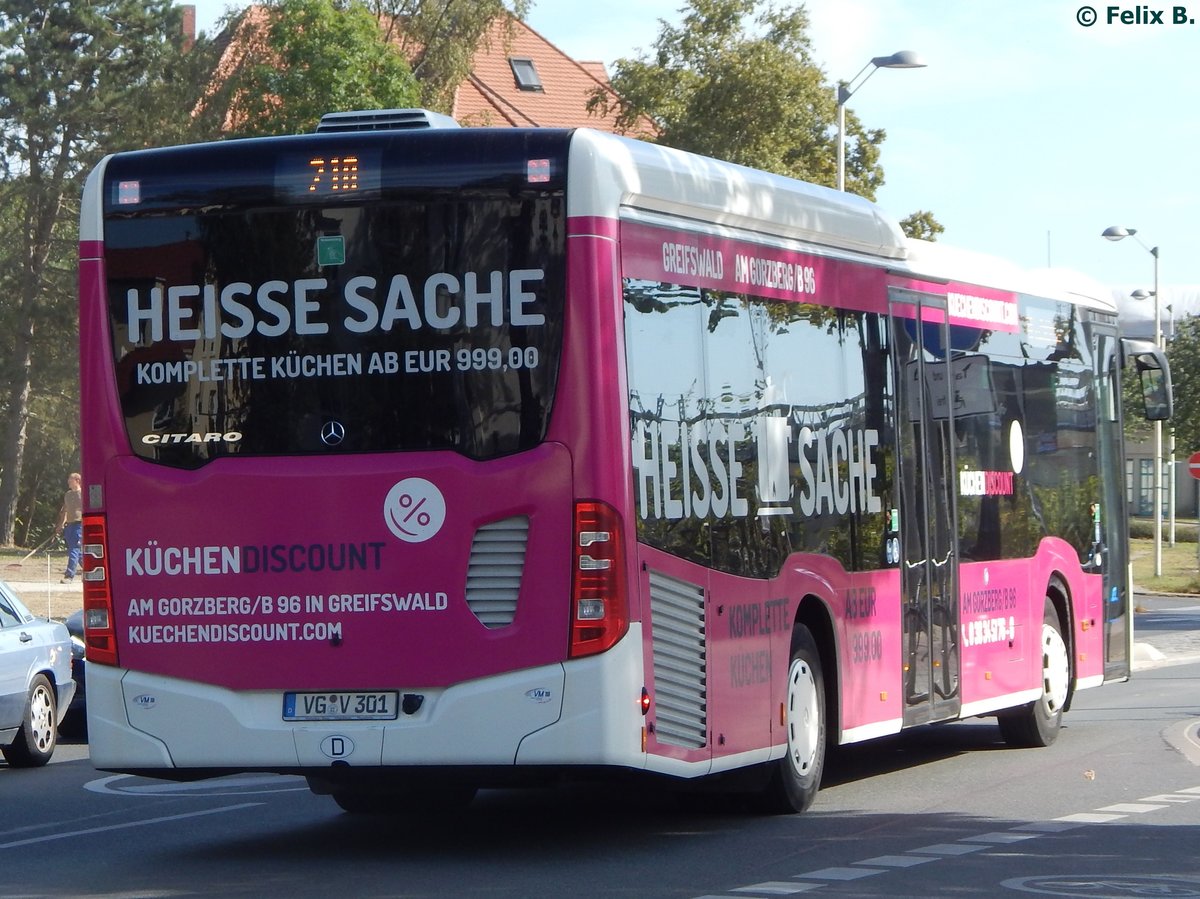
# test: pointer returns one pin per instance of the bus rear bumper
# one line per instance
(584, 712)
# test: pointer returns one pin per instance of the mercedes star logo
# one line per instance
(333, 433)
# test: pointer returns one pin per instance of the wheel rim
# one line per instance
(41, 718)
(1056, 669)
(803, 717)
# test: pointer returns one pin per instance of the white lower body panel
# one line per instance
(583, 712)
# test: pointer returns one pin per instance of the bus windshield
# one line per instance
(408, 318)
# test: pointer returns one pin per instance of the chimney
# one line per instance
(189, 26)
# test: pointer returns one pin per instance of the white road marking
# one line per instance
(234, 785)
(966, 845)
(50, 837)
(841, 873)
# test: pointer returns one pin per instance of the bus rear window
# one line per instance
(430, 323)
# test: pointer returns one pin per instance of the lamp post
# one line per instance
(1116, 232)
(902, 59)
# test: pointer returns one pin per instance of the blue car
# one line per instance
(35, 682)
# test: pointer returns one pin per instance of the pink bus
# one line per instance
(421, 459)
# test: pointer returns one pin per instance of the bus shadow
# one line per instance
(908, 749)
(604, 843)
(561, 818)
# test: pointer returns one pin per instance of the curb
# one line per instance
(1185, 737)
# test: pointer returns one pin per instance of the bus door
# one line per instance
(1110, 549)
(923, 367)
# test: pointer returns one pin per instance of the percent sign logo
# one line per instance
(414, 510)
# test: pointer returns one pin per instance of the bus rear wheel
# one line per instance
(1038, 723)
(796, 777)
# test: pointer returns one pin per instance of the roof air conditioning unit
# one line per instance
(383, 120)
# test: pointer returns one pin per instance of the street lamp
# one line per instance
(1116, 232)
(902, 59)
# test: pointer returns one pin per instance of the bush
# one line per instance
(1143, 529)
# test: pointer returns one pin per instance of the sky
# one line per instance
(1026, 135)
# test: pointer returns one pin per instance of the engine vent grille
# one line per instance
(679, 661)
(383, 120)
(494, 570)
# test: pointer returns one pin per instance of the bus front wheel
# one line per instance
(1037, 724)
(796, 777)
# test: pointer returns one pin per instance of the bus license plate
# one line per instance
(341, 706)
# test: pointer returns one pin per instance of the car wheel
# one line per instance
(38, 735)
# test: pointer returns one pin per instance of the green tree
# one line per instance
(754, 97)
(1133, 404)
(312, 57)
(922, 225)
(51, 436)
(757, 99)
(440, 38)
(1183, 354)
(171, 109)
(69, 71)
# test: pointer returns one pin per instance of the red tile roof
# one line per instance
(491, 95)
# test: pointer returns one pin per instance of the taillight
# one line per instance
(599, 604)
(97, 594)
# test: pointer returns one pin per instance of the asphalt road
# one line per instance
(1167, 632)
(1112, 809)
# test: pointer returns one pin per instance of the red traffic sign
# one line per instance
(1194, 465)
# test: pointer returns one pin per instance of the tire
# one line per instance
(38, 735)
(796, 778)
(1038, 723)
